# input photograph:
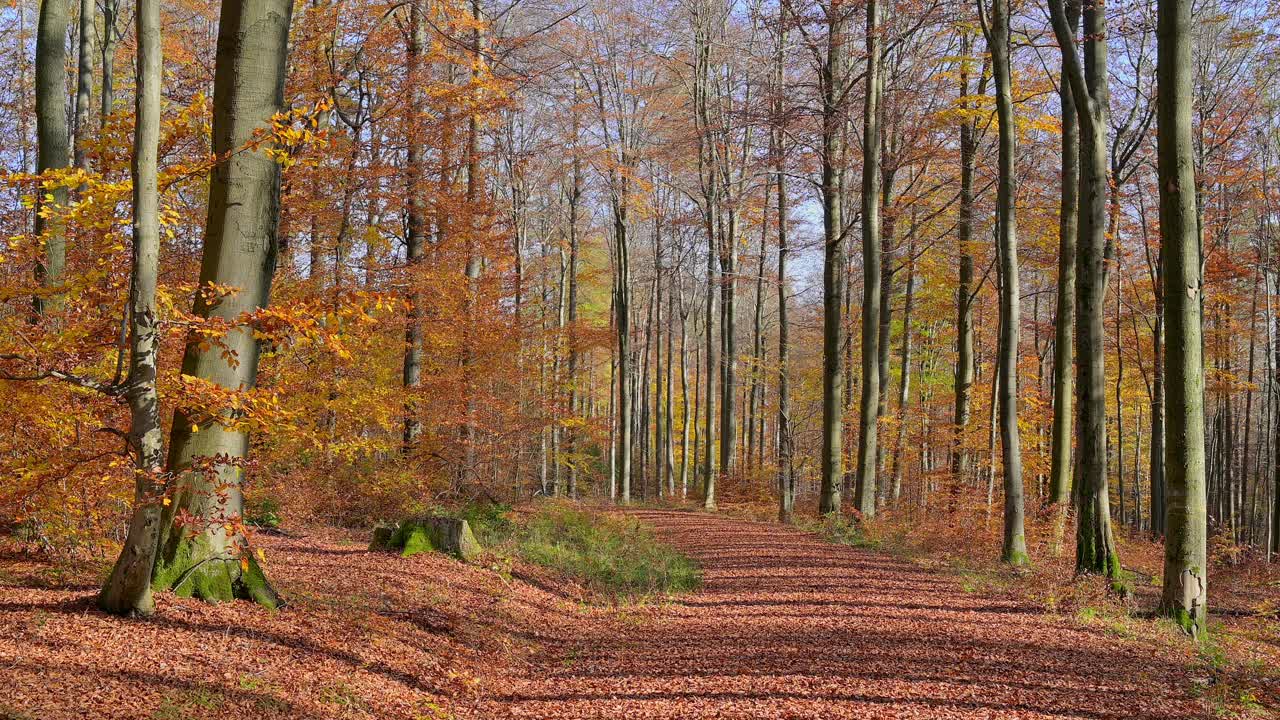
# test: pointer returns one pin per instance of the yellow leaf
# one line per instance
(195, 428)
(261, 556)
(167, 502)
(244, 563)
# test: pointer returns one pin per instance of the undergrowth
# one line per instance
(613, 555)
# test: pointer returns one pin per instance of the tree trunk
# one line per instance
(904, 382)
(833, 262)
(786, 475)
(51, 144)
(728, 354)
(709, 402)
(1185, 592)
(415, 231)
(685, 416)
(965, 370)
(1064, 317)
(622, 326)
(110, 9)
(211, 561)
(1014, 550)
(84, 82)
(1095, 545)
(1157, 407)
(872, 276)
(128, 589)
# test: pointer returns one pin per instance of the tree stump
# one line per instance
(451, 536)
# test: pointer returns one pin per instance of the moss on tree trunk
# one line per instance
(213, 567)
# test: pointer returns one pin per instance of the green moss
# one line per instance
(413, 540)
(193, 568)
(1184, 621)
(1016, 555)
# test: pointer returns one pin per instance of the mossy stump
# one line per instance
(451, 536)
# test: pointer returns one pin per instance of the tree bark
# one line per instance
(786, 475)
(211, 561)
(1095, 544)
(1014, 550)
(416, 228)
(107, 101)
(52, 149)
(1185, 593)
(128, 589)
(904, 382)
(965, 369)
(872, 276)
(84, 82)
(1064, 317)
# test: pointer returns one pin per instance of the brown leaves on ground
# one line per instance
(788, 626)
(785, 626)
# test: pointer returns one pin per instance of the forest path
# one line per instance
(789, 626)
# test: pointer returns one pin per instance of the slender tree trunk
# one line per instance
(904, 382)
(833, 261)
(213, 562)
(709, 402)
(1157, 407)
(965, 370)
(1114, 213)
(575, 198)
(786, 474)
(1064, 317)
(754, 410)
(128, 589)
(1185, 593)
(872, 272)
(668, 459)
(728, 354)
(110, 9)
(475, 260)
(416, 228)
(84, 82)
(1014, 550)
(52, 151)
(685, 417)
(622, 327)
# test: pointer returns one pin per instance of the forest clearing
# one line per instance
(639, 358)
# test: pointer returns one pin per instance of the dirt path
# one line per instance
(788, 626)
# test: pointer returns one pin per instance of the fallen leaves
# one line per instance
(785, 626)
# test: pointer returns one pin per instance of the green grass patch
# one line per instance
(836, 528)
(613, 555)
(188, 704)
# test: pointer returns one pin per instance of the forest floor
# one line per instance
(785, 625)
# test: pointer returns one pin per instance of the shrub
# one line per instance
(838, 529)
(263, 513)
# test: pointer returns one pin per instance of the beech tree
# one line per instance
(1014, 550)
(1095, 546)
(1185, 594)
(204, 552)
(128, 589)
(872, 273)
(53, 151)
